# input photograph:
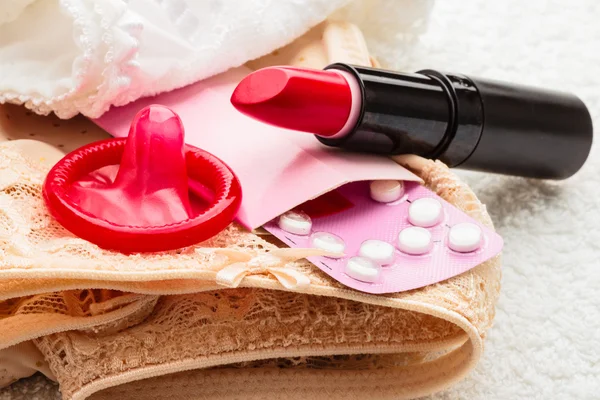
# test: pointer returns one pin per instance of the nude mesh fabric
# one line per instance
(101, 341)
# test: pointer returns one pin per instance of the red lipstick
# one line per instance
(465, 122)
(286, 97)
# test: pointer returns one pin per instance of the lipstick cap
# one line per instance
(529, 131)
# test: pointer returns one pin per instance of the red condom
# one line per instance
(148, 192)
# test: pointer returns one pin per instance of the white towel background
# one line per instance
(545, 343)
(546, 340)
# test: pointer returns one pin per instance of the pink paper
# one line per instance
(278, 169)
(371, 220)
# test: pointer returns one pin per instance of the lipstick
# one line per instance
(465, 122)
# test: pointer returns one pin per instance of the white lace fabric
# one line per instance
(114, 325)
(82, 56)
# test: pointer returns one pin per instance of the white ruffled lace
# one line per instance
(112, 52)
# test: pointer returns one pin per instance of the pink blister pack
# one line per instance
(414, 241)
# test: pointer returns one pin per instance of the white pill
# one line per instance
(377, 250)
(425, 212)
(362, 269)
(328, 242)
(465, 237)
(386, 191)
(296, 222)
(414, 240)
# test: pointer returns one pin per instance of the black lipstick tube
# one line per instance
(469, 123)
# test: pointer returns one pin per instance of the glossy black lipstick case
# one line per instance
(469, 123)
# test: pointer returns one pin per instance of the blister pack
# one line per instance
(391, 236)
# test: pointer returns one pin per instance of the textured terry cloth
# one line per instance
(546, 339)
(82, 56)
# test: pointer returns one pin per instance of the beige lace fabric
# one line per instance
(172, 324)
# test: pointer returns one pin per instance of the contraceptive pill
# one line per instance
(386, 191)
(296, 222)
(414, 240)
(328, 242)
(377, 250)
(425, 212)
(370, 231)
(465, 237)
(362, 269)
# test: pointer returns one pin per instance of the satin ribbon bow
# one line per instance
(274, 263)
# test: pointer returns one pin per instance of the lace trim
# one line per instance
(119, 60)
(243, 324)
